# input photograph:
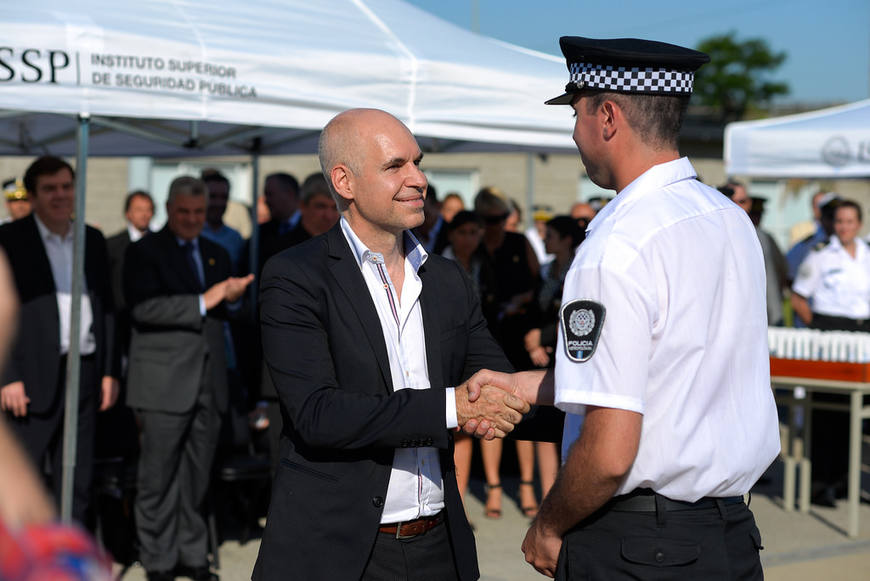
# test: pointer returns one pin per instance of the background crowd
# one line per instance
(156, 303)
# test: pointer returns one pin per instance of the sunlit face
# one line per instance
(741, 198)
(140, 212)
(389, 190)
(587, 137)
(319, 214)
(465, 239)
(846, 224)
(186, 216)
(54, 198)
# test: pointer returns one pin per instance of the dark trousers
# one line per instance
(42, 435)
(174, 470)
(716, 543)
(829, 448)
(426, 557)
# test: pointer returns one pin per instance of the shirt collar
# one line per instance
(134, 233)
(414, 251)
(46, 234)
(182, 242)
(653, 179)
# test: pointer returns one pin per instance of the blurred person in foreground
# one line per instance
(662, 362)
(832, 293)
(32, 545)
(179, 287)
(368, 339)
(33, 392)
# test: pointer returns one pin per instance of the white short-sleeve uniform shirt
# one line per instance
(679, 272)
(838, 284)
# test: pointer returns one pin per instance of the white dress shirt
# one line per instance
(134, 233)
(416, 488)
(60, 255)
(679, 270)
(837, 284)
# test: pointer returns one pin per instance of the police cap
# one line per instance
(627, 65)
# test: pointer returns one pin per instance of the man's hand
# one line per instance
(215, 294)
(229, 290)
(14, 399)
(476, 382)
(500, 410)
(236, 286)
(110, 389)
(541, 548)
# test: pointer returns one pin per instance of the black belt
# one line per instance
(643, 500)
(412, 528)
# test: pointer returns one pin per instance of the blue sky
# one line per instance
(827, 42)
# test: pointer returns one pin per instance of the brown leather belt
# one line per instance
(412, 528)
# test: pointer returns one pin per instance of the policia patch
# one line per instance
(581, 325)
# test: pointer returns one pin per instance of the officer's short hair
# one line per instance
(849, 204)
(656, 119)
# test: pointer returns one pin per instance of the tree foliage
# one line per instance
(737, 77)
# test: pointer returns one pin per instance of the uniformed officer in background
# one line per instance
(662, 357)
(17, 202)
(832, 292)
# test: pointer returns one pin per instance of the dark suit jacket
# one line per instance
(174, 350)
(325, 351)
(35, 357)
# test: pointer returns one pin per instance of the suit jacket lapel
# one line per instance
(432, 328)
(345, 269)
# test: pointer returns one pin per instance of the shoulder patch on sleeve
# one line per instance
(582, 321)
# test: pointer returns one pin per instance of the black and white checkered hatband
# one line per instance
(631, 79)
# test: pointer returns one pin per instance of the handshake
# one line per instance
(487, 405)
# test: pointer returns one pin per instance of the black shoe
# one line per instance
(161, 576)
(201, 573)
(825, 497)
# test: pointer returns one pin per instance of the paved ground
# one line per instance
(798, 547)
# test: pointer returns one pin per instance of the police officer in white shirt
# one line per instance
(662, 364)
(835, 276)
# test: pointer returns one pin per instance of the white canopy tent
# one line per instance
(262, 75)
(829, 143)
(188, 77)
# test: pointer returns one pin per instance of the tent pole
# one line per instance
(73, 363)
(530, 189)
(254, 256)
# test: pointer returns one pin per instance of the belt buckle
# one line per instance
(399, 535)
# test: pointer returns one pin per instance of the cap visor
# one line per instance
(564, 99)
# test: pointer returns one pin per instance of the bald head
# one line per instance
(343, 141)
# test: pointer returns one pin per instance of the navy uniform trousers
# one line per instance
(714, 542)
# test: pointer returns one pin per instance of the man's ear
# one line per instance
(610, 113)
(342, 181)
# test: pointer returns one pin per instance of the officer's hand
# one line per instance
(110, 389)
(14, 399)
(541, 548)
